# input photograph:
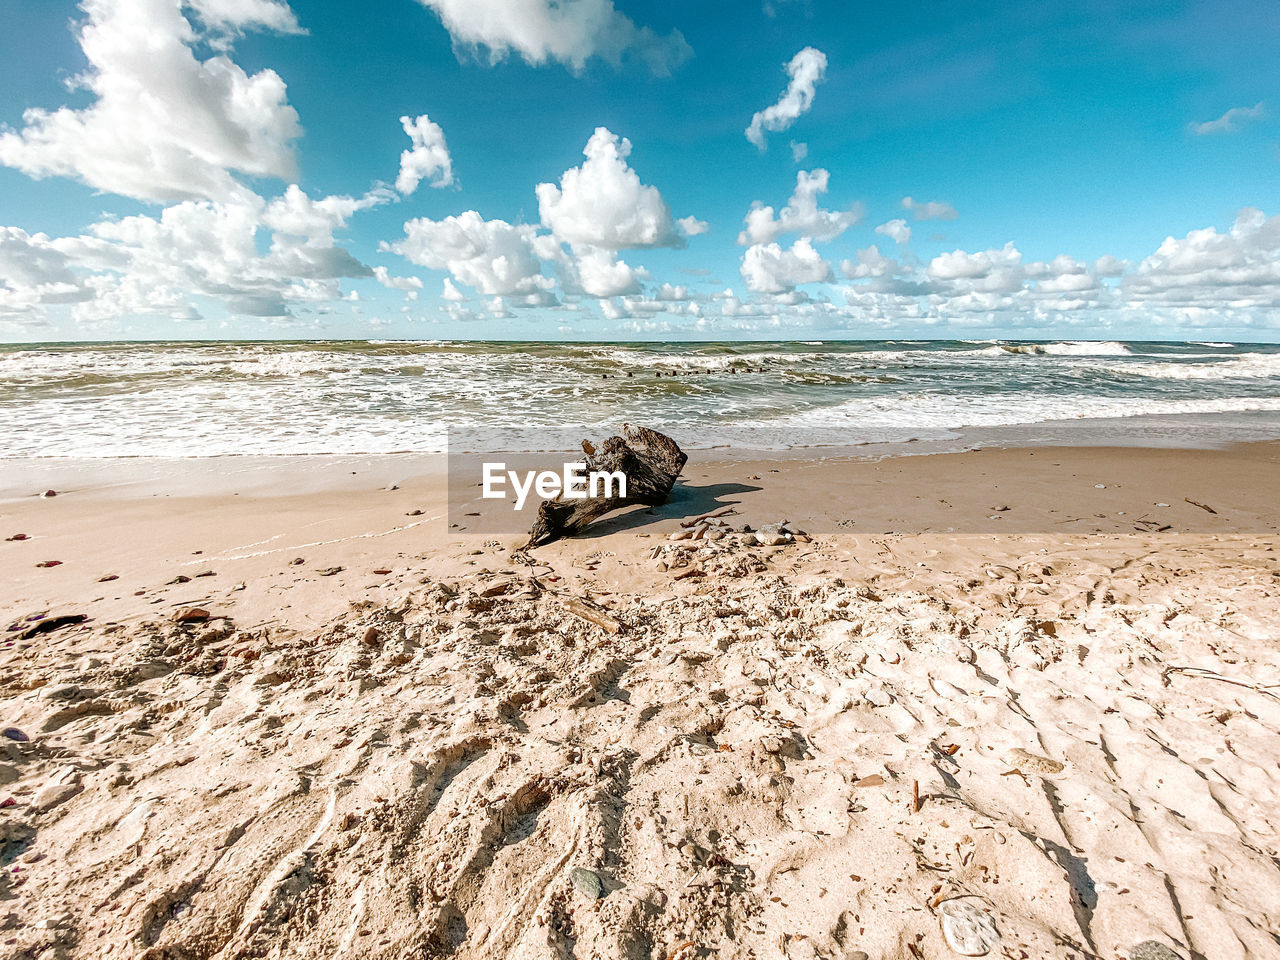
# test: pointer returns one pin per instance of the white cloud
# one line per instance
(959, 264)
(897, 230)
(801, 214)
(807, 69)
(768, 268)
(429, 158)
(451, 293)
(602, 203)
(163, 125)
(192, 251)
(411, 286)
(798, 151)
(1235, 270)
(234, 16)
(933, 210)
(493, 256)
(692, 226)
(601, 274)
(1230, 121)
(868, 263)
(569, 31)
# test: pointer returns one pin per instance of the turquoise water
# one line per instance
(213, 399)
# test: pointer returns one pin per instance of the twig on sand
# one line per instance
(1202, 506)
(590, 612)
(707, 516)
(1266, 689)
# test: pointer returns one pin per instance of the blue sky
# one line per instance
(235, 168)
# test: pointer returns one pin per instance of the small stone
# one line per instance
(108, 578)
(55, 794)
(1029, 762)
(17, 536)
(1099, 486)
(330, 571)
(206, 573)
(1151, 950)
(49, 563)
(588, 883)
(13, 733)
(191, 615)
(967, 928)
(54, 922)
(877, 697)
(370, 637)
(48, 494)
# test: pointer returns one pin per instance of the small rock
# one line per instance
(370, 637)
(966, 655)
(967, 928)
(49, 563)
(108, 578)
(238, 586)
(1158, 505)
(18, 536)
(1034, 763)
(588, 883)
(1151, 950)
(877, 697)
(191, 615)
(206, 573)
(414, 513)
(55, 794)
(49, 493)
(1099, 486)
(13, 733)
(55, 922)
(330, 571)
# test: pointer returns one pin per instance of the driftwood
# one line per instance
(649, 460)
(590, 612)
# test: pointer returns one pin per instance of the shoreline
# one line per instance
(259, 474)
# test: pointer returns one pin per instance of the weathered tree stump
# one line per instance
(650, 461)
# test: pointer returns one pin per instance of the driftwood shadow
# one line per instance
(686, 500)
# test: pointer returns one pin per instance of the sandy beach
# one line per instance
(1032, 687)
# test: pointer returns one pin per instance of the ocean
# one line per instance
(354, 397)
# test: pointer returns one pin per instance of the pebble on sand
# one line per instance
(967, 928)
(1152, 950)
(588, 883)
(13, 733)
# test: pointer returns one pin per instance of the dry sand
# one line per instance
(1060, 719)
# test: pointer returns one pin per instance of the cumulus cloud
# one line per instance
(868, 263)
(163, 124)
(768, 268)
(193, 251)
(807, 69)
(960, 264)
(933, 210)
(602, 203)
(896, 230)
(495, 257)
(1230, 121)
(568, 31)
(798, 151)
(410, 285)
(801, 215)
(235, 16)
(429, 157)
(1238, 269)
(601, 274)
